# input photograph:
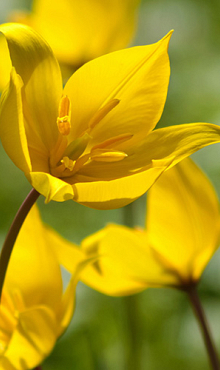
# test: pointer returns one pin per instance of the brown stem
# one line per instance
(13, 233)
(200, 314)
(38, 368)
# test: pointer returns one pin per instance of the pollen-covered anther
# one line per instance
(63, 120)
(64, 125)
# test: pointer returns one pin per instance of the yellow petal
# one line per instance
(176, 142)
(68, 300)
(183, 220)
(137, 77)
(126, 264)
(12, 131)
(35, 63)
(68, 254)
(32, 340)
(33, 268)
(51, 187)
(5, 63)
(74, 260)
(116, 193)
(110, 22)
(106, 274)
(161, 148)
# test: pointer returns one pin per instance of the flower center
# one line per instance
(66, 159)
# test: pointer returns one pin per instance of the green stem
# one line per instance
(200, 314)
(13, 233)
(133, 336)
(133, 333)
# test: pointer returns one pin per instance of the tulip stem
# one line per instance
(13, 233)
(133, 326)
(200, 314)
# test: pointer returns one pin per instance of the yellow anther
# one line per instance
(108, 156)
(102, 112)
(64, 107)
(63, 121)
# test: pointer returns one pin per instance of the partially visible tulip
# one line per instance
(79, 31)
(181, 235)
(35, 309)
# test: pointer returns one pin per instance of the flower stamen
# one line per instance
(102, 112)
(100, 155)
(63, 121)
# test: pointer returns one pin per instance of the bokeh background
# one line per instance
(154, 329)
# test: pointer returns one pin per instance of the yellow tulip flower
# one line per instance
(34, 310)
(181, 235)
(79, 31)
(93, 141)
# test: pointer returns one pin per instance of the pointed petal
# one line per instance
(125, 264)
(116, 193)
(12, 131)
(138, 77)
(183, 220)
(32, 340)
(35, 63)
(161, 148)
(51, 187)
(174, 143)
(68, 254)
(68, 300)
(74, 260)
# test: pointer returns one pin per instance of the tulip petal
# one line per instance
(68, 301)
(45, 271)
(68, 254)
(174, 143)
(12, 131)
(35, 335)
(116, 193)
(51, 187)
(74, 260)
(111, 23)
(35, 63)
(5, 64)
(137, 77)
(183, 220)
(107, 275)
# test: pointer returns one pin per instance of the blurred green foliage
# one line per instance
(155, 328)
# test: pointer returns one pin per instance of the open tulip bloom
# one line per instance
(92, 141)
(34, 310)
(181, 236)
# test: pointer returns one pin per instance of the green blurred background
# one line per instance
(155, 329)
